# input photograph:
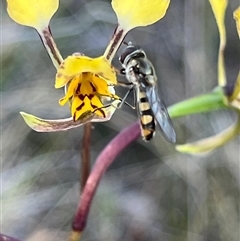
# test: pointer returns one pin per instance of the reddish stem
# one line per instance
(85, 154)
(104, 160)
(7, 238)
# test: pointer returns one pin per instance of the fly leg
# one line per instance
(123, 100)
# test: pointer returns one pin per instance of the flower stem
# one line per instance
(85, 154)
(104, 160)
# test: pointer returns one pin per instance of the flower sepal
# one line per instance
(209, 144)
(47, 125)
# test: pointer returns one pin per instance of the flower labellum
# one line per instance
(88, 83)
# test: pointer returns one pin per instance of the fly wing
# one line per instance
(161, 114)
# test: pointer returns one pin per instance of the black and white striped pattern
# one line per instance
(150, 107)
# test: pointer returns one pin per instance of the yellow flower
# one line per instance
(88, 81)
(36, 14)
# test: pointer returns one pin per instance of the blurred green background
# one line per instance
(151, 192)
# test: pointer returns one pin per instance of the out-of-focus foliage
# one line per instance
(227, 99)
(151, 191)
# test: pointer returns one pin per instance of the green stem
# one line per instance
(198, 104)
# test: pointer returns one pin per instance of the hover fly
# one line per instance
(142, 79)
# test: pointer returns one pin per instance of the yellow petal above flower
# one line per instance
(75, 65)
(219, 9)
(236, 16)
(32, 13)
(136, 13)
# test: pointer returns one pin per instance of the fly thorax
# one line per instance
(151, 80)
(132, 71)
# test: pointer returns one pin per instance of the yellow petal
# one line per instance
(86, 87)
(102, 87)
(85, 101)
(211, 143)
(236, 16)
(98, 106)
(70, 90)
(82, 107)
(76, 108)
(75, 65)
(219, 9)
(63, 100)
(32, 13)
(136, 13)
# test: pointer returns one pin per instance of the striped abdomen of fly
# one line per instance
(145, 114)
(137, 71)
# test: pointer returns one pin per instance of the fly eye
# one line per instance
(128, 51)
